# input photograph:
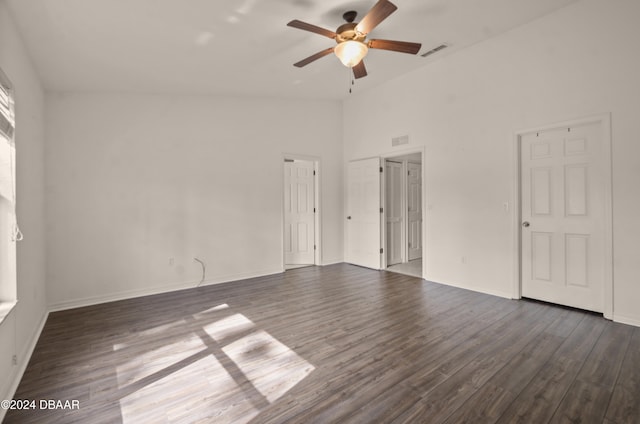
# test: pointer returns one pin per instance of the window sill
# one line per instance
(5, 309)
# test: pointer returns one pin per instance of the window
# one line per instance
(9, 233)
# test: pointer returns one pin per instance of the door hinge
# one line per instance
(381, 250)
(381, 169)
(314, 210)
(381, 210)
(314, 247)
(314, 172)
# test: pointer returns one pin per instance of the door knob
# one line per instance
(525, 224)
(349, 217)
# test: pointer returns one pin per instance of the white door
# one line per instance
(562, 195)
(414, 208)
(393, 211)
(299, 212)
(363, 213)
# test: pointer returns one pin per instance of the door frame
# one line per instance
(406, 211)
(604, 120)
(403, 208)
(317, 256)
(383, 200)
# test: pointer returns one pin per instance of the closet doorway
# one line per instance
(403, 231)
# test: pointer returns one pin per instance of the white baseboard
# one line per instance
(237, 277)
(130, 294)
(483, 290)
(25, 357)
(626, 320)
(332, 261)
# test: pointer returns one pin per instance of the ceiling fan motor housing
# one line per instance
(348, 32)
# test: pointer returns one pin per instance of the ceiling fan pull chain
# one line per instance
(352, 81)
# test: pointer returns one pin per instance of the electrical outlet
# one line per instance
(14, 360)
(171, 261)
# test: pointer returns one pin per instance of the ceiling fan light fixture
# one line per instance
(351, 52)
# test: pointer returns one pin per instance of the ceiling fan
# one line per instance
(351, 37)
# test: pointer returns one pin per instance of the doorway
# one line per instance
(300, 213)
(403, 226)
(564, 225)
(368, 204)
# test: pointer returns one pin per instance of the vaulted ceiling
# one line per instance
(241, 47)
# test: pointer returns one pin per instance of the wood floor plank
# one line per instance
(447, 397)
(584, 403)
(544, 393)
(388, 405)
(624, 405)
(603, 363)
(485, 406)
(334, 344)
(588, 397)
(492, 399)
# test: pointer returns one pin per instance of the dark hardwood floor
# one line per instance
(332, 344)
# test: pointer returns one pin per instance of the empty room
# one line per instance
(301, 211)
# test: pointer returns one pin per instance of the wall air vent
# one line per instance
(435, 50)
(397, 141)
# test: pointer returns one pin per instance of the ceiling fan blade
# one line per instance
(312, 28)
(314, 57)
(359, 70)
(395, 46)
(378, 13)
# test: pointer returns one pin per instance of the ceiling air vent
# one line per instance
(435, 50)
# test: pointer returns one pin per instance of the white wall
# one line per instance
(465, 110)
(20, 329)
(134, 180)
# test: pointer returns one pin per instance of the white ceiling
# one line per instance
(241, 47)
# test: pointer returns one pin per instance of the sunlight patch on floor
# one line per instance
(150, 332)
(148, 364)
(271, 366)
(178, 394)
(229, 326)
(225, 371)
(217, 308)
